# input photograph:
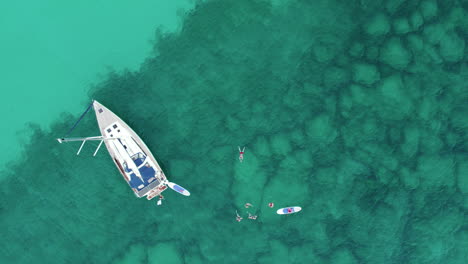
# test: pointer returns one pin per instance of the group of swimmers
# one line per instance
(247, 205)
(239, 218)
(252, 217)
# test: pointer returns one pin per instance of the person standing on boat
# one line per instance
(241, 154)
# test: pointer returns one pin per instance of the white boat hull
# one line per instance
(128, 143)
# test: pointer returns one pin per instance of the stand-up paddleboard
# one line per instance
(288, 210)
(178, 188)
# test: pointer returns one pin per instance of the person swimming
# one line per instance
(238, 217)
(271, 205)
(253, 217)
(160, 200)
(241, 154)
(247, 205)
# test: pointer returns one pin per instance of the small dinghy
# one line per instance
(178, 188)
(289, 210)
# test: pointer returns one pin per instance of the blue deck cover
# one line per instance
(138, 158)
(135, 181)
(139, 161)
(146, 173)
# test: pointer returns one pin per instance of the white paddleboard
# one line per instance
(289, 210)
(178, 188)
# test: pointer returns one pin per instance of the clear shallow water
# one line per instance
(356, 112)
(52, 52)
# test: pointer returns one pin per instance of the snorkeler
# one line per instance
(238, 217)
(160, 200)
(253, 217)
(241, 154)
(247, 205)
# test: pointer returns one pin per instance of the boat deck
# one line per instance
(152, 178)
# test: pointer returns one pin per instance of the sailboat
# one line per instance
(130, 154)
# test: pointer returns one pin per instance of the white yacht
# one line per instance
(132, 157)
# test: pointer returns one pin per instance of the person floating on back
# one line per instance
(241, 154)
(247, 205)
(238, 217)
(253, 217)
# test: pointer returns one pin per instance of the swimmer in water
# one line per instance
(160, 200)
(241, 154)
(271, 205)
(253, 217)
(238, 217)
(247, 205)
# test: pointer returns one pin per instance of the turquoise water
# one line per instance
(354, 110)
(52, 52)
